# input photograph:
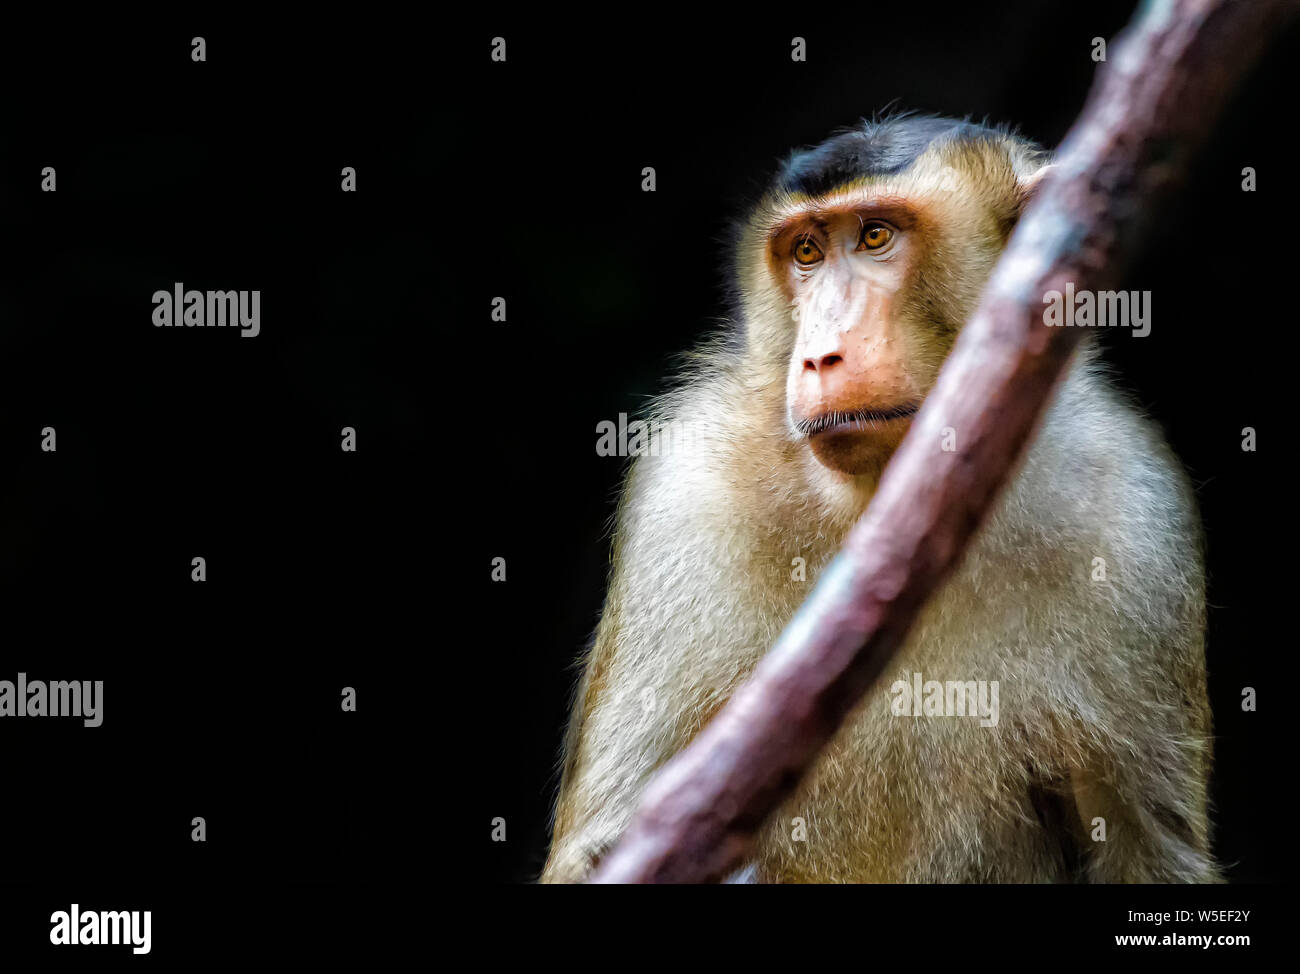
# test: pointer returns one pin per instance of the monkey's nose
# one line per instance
(822, 364)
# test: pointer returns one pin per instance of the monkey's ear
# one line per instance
(1030, 185)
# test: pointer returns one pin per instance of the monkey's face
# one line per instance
(854, 380)
(861, 288)
(861, 265)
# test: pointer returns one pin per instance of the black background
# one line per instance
(476, 439)
(221, 699)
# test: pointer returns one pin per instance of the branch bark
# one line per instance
(1169, 76)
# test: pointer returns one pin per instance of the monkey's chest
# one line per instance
(928, 781)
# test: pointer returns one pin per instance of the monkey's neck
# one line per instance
(842, 498)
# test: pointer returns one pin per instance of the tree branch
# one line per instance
(1169, 76)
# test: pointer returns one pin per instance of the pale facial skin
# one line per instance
(848, 389)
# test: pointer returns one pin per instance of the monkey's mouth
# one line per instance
(853, 420)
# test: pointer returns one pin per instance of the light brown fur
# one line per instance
(1103, 700)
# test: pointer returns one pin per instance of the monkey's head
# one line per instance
(860, 264)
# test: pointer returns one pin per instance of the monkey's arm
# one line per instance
(1126, 666)
(670, 648)
(614, 743)
(582, 821)
(1146, 814)
(1145, 842)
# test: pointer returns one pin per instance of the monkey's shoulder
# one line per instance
(1103, 509)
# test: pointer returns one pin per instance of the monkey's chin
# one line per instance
(858, 453)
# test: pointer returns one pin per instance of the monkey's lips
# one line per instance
(837, 421)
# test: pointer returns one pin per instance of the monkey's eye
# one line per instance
(875, 236)
(806, 251)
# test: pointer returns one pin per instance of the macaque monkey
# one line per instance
(1082, 596)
